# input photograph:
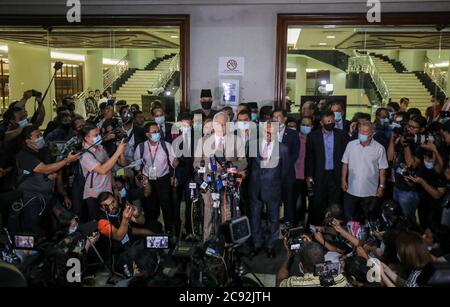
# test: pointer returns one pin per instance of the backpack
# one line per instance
(78, 172)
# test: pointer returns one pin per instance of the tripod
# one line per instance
(240, 268)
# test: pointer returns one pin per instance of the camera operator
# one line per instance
(97, 167)
(63, 132)
(135, 135)
(431, 186)
(36, 179)
(19, 116)
(405, 158)
(145, 267)
(165, 128)
(311, 254)
(117, 226)
(382, 122)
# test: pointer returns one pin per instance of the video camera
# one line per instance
(326, 272)
(423, 138)
(294, 236)
(405, 170)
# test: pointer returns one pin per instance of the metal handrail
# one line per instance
(165, 76)
(437, 74)
(114, 72)
(364, 63)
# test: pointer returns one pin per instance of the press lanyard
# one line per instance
(152, 157)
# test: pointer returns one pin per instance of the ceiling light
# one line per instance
(66, 56)
(322, 44)
(174, 36)
(22, 43)
(331, 36)
(291, 69)
(4, 48)
(293, 35)
(323, 82)
(329, 26)
(311, 70)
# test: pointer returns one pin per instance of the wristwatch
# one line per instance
(381, 186)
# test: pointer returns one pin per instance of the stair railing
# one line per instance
(437, 74)
(364, 63)
(165, 76)
(114, 72)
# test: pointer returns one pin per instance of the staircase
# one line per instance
(402, 84)
(155, 75)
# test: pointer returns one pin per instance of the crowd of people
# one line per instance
(365, 189)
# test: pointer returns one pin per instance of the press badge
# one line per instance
(152, 173)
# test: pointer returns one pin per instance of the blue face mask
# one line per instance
(73, 229)
(185, 129)
(242, 125)
(384, 121)
(363, 138)
(97, 140)
(39, 143)
(391, 114)
(305, 130)
(23, 123)
(337, 116)
(155, 137)
(254, 117)
(123, 193)
(428, 165)
(160, 120)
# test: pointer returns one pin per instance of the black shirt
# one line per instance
(205, 117)
(432, 178)
(399, 163)
(28, 181)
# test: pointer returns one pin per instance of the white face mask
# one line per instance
(23, 123)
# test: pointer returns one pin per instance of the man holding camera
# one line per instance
(406, 156)
(97, 167)
(311, 257)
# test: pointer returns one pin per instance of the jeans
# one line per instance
(408, 201)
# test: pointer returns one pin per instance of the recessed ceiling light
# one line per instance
(22, 43)
(329, 26)
(174, 36)
(128, 30)
(331, 36)
(322, 44)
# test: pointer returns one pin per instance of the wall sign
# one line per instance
(231, 66)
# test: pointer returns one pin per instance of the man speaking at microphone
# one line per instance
(223, 147)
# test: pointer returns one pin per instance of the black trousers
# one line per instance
(288, 201)
(359, 208)
(92, 208)
(161, 198)
(78, 201)
(327, 191)
(300, 194)
(182, 192)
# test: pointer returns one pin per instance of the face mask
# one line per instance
(305, 130)
(160, 119)
(155, 137)
(363, 138)
(384, 121)
(206, 105)
(328, 127)
(185, 129)
(382, 247)
(282, 126)
(242, 125)
(337, 116)
(428, 165)
(39, 143)
(399, 119)
(394, 125)
(97, 140)
(391, 114)
(73, 229)
(123, 193)
(23, 123)
(254, 117)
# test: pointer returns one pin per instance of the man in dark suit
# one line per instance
(206, 101)
(289, 138)
(165, 128)
(269, 170)
(135, 134)
(339, 116)
(183, 147)
(324, 150)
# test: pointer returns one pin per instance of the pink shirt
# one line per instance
(95, 183)
(300, 163)
(155, 153)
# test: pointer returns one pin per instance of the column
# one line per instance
(300, 79)
(139, 58)
(413, 60)
(30, 68)
(93, 70)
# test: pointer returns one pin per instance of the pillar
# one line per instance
(413, 60)
(30, 68)
(300, 79)
(139, 58)
(93, 70)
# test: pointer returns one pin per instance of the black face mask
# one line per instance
(66, 126)
(328, 127)
(206, 105)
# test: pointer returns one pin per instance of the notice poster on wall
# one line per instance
(231, 66)
(229, 92)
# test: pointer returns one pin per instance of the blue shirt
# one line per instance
(328, 141)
